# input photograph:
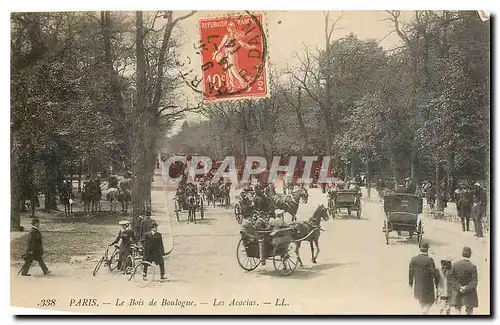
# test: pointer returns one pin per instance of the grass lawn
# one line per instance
(63, 238)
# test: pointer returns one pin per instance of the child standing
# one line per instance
(444, 286)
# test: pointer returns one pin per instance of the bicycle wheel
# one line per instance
(98, 266)
(129, 265)
(113, 261)
(138, 274)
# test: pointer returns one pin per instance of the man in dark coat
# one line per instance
(464, 284)
(153, 250)
(423, 278)
(34, 250)
(464, 205)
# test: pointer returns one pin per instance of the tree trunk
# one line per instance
(80, 177)
(50, 187)
(138, 139)
(300, 120)
(15, 197)
(368, 179)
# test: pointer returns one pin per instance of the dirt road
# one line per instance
(357, 273)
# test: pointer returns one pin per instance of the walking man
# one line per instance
(154, 250)
(423, 278)
(477, 216)
(464, 284)
(34, 250)
(464, 209)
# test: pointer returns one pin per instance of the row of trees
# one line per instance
(418, 110)
(89, 91)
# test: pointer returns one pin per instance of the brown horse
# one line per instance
(309, 230)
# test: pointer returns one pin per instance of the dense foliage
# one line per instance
(420, 110)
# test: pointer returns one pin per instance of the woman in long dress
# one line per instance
(228, 49)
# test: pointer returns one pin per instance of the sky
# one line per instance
(287, 33)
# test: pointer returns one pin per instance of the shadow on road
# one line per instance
(413, 241)
(306, 272)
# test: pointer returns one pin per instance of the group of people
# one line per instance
(453, 285)
(471, 204)
(145, 235)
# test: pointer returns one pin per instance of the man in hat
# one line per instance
(126, 235)
(423, 278)
(34, 250)
(463, 281)
(477, 216)
(153, 250)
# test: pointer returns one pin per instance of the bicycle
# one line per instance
(110, 262)
(138, 274)
(130, 260)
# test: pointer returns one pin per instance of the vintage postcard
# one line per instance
(251, 162)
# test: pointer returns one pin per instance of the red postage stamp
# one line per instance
(233, 51)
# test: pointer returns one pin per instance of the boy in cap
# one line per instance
(126, 235)
(463, 280)
(153, 250)
(34, 250)
(444, 287)
(423, 278)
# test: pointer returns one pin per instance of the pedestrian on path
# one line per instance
(154, 250)
(34, 250)
(444, 286)
(477, 216)
(463, 280)
(423, 278)
(464, 205)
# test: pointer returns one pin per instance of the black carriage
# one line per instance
(257, 246)
(402, 215)
(344, 199)
(189, 199)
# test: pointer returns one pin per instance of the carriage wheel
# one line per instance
(237, 213)
(246, 263)
(285, 259)
(98, 266)
(176, 209)
(113, 261)
(420, 233)
(386, 229)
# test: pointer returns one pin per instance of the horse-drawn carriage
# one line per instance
(402, 214)
(349, 199)
(258, 244)
(188, 198)
(265, 238)
(219, 192)
(245, 206)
